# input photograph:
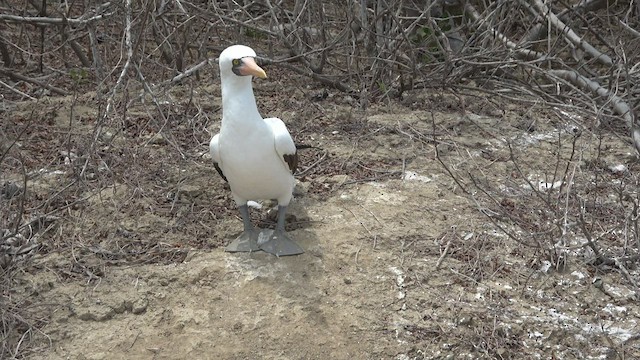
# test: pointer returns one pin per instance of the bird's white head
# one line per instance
(239, 60)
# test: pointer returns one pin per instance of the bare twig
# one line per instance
(374, 237)
(519, 50)
(16, 90)
(119, 82)
(633, 31)
(310, 167)
(51, 21)
(443, 255)
(20, 77)
(190, 71)
(309, 73)
(619, 106)
(571, 35)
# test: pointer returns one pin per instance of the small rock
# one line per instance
(190, 191)
(139, 306)
(5, 261)
(94, 356)
(347, 281)
(495, 113)
(618, 169)
(466, 320)
(502, 352)
(10, 189)
(122, 306)
(413, 176)
(301, 189)
(107, 136)
(96, 313)
(516, 329)
(339, 179)
(157, 139)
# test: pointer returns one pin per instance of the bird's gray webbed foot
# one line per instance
(246, 242)
(280, 244)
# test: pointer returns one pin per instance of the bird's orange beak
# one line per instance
(249, 67)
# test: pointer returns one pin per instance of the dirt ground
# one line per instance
(400, 262)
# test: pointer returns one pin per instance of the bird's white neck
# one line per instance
(237, 98)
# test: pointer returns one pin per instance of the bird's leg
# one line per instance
(248, 240)
(279, 244)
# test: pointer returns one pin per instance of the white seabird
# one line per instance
(256, 156)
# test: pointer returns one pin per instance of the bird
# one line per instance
(256, 156)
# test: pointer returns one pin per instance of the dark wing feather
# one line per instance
(292, 161)
(215, 164)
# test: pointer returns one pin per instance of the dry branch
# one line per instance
(633, 31)
(11, 88)
(40, 20)
(190, 71)
(20, 77)
(618, 105)
(336, 84)
(4, 52)
(111, 99)
(571, 35)
(539, 30)
(127, 64)
(246, 24)
(483, 23)
(77, 49)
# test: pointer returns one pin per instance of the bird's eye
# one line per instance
(236, 62)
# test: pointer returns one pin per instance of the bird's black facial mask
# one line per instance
(236, 64)
(247, 66)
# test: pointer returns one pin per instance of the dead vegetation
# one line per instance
(144, 68)
(577, 202)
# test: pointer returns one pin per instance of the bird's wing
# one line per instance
(284, 145)
(215, 155)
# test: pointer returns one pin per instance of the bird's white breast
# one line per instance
(251, 164)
